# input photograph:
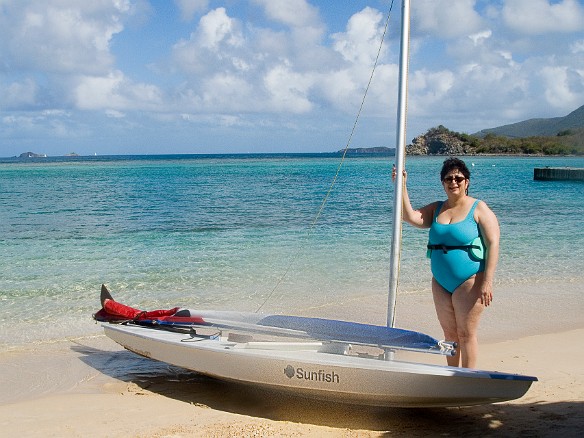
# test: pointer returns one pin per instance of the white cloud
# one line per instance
(217, 29)
(430, 87)
(534, 17)
(66, 36)
(293, 13)
(54, 43)
(288, 90)
(19, 94)
(446, 18)
(115, 91)
(339, 88)
(472, 96)
(479, 37)
(225, 93)
(303, 36)
(227, 70)
(360, 43)
(223, 120)
(55, 113)
(188, 8)
(564, 88)
(577, 46)
(229, 120)
(214, 45)
(22, 122)
(114, 114)
(96, 92)
(54, 122)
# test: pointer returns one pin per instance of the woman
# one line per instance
(462, 283)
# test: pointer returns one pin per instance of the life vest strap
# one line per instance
(446, 248)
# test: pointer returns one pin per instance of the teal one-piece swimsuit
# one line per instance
(453, 267)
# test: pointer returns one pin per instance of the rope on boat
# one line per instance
(334, 180)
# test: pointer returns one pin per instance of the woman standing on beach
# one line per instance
(464, 250)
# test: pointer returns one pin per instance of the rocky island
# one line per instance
(32, 155)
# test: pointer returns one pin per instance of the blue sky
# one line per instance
(205, 76)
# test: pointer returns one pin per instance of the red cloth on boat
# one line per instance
(114, 308)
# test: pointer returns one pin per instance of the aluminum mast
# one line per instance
(399, 162)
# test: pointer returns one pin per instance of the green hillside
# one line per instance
(568, 142)
(539, 127)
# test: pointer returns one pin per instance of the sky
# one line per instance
(204, 76)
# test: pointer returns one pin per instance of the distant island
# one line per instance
(35, 155)
(381, 150)
(32, 155)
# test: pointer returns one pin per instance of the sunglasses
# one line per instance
(450, 179)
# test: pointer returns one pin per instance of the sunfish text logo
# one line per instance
(313, 376)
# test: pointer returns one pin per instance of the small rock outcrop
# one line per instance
(442, 141)
(31, 155)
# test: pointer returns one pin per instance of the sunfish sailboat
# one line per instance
(321, 358)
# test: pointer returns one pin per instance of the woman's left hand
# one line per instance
(394, 174)
(486, 293)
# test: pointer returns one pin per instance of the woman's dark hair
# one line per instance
(451, 164)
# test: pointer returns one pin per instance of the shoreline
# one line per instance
(154, 400)
(516, 312)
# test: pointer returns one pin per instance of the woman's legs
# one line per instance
(446, 318)
(468, 308)
(459, 315)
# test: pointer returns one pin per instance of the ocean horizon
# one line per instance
(41, 158)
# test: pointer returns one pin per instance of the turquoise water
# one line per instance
(230, 232)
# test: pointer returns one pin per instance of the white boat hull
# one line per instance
(304, 369)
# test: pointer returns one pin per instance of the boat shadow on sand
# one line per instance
(517, 418)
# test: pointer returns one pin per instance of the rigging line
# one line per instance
(334, 180)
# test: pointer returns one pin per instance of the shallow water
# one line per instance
(231, 232)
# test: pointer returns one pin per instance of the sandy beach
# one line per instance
(73, 388)
(172, 405)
